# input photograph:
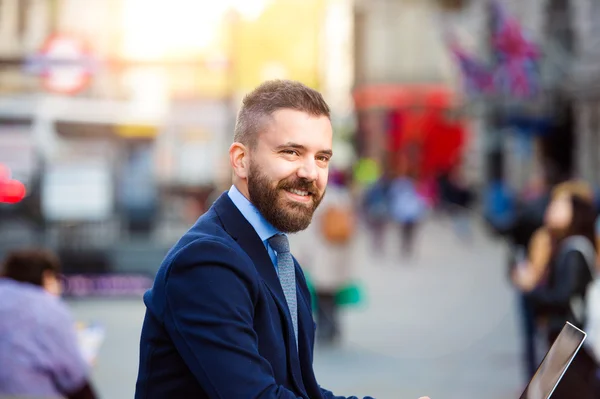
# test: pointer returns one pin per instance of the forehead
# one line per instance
(287, 125)
(560, 203)
(561, 198)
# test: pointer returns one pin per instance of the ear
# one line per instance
(239, 159)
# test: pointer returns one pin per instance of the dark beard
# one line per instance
(285, 215)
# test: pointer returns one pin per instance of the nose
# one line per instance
(308, 170)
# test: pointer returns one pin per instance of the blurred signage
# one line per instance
(65, 64)
(136, 131)
(109, 285)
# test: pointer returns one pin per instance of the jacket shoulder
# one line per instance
(205, 245)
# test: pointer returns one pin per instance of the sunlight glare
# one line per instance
(158, 29)
(155, 29)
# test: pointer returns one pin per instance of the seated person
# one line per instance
(39, 353)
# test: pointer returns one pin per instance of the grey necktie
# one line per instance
(287, 276)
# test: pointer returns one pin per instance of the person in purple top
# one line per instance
(39, 355)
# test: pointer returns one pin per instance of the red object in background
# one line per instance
(70, 79)
(437, 140)
(402, 96)
(442, 144)
(11, 191)
(418, 121)
(397, 121)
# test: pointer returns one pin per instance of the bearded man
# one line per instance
(229, 314)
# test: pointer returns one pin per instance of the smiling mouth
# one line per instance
(301, 193)
(299, 196)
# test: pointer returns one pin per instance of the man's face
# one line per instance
(288, 168)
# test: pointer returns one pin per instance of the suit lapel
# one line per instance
(242, 231)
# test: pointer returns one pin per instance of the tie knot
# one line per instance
(279, 243)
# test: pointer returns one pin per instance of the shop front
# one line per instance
(410, 128)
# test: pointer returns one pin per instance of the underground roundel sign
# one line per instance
(64, 63)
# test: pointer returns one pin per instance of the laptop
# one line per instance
(555, 363)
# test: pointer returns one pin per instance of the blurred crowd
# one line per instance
(399, 202)
(552, 232)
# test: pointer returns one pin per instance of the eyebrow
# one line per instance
(301, 147)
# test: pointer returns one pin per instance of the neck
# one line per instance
(242, 187)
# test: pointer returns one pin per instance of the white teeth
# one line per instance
(298, 192)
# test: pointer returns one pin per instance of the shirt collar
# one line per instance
(264, 229)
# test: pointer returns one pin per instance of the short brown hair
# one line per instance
(269, 97)
(29, 265)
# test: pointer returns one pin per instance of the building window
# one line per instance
(559, 24)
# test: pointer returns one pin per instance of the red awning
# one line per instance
(406, 95)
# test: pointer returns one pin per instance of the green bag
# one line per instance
(350, 294)
(311, 290)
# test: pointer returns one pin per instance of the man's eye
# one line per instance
(323, 158)
(291, 152)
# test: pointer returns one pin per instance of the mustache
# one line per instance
(299, 184)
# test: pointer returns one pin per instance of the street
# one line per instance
(442, 325)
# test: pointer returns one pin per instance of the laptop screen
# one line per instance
(556, 362)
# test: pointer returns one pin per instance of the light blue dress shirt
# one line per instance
(264, 229)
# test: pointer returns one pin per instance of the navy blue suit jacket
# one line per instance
(217, 323)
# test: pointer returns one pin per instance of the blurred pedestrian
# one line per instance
(325, 249)
(569, 219)
(376, 208)
(39, 352)
(532, 265)
(529, 251)
(457, 198)
(408, 209)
